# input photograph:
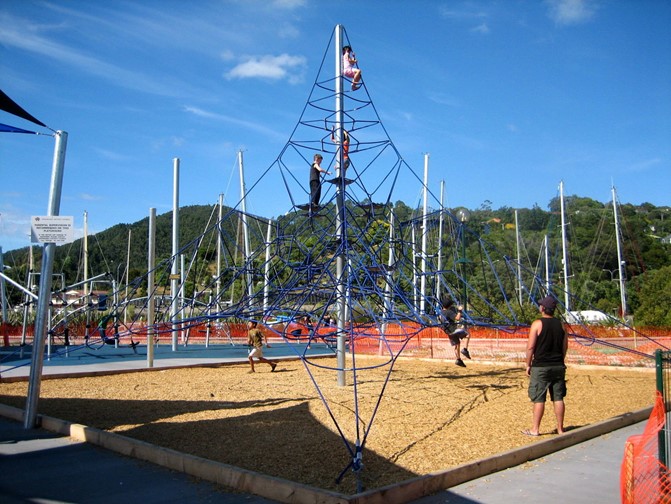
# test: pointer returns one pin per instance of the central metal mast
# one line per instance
(341, 231)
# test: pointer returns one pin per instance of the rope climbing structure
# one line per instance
(341, 268)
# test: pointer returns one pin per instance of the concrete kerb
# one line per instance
(278, 489)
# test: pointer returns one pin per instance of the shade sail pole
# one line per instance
(44, 299)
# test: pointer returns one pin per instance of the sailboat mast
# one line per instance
(620, 261)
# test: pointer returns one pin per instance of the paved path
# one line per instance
(40, 466)
(587, 473)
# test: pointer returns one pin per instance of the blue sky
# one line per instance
(508, 97)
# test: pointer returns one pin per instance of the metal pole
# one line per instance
(181, 293)
(388, 277)
(620, 261)
(464, 298)
(28, 304)
(209, 321)
(37, 360)
(219, 249)
(519, 259)
(440, 241)
(340, 214)
(414, 265)
(463, 216)
(87, 286)
(422, 299)
(547, 264)
(245, 231)
(564, 248)
(125, 306)
(3, 292)
(266, 275)
(174, 272)
(151, 264)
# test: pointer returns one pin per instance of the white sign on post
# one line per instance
(51, 229)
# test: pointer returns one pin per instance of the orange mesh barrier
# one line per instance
(595, 345)
(643, 478)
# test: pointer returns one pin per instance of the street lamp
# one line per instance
(463, 215)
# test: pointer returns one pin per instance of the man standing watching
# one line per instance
(546, 351)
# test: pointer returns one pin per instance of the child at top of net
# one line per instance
(349, 69)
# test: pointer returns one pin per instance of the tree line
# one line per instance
(121, 250)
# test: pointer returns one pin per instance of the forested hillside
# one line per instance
(590, 230)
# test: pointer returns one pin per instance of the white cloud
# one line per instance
(570, 12)
(645, 165)
(462, 14)
(288, 31)
(14, 229)
(481, 28)
(20, 34)
(111, 155)
(289, 4)
(89, 197)
(177, 141)
(443, 99)
(227, 55)
(270, 67)
(234, 120)
(469, 14)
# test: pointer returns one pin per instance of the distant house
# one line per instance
(76, 299)
(666, 239)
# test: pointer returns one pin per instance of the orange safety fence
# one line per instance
(597, 345)
(644, 479)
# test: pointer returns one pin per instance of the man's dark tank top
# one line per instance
(549, 344)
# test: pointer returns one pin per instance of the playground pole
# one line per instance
(422, 299)
(174, 272)
(440, 242)
(44, 299)
(151, 264)
(340, 210)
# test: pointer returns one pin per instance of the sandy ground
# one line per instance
(432, 414)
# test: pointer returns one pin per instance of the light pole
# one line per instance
(463, 215)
